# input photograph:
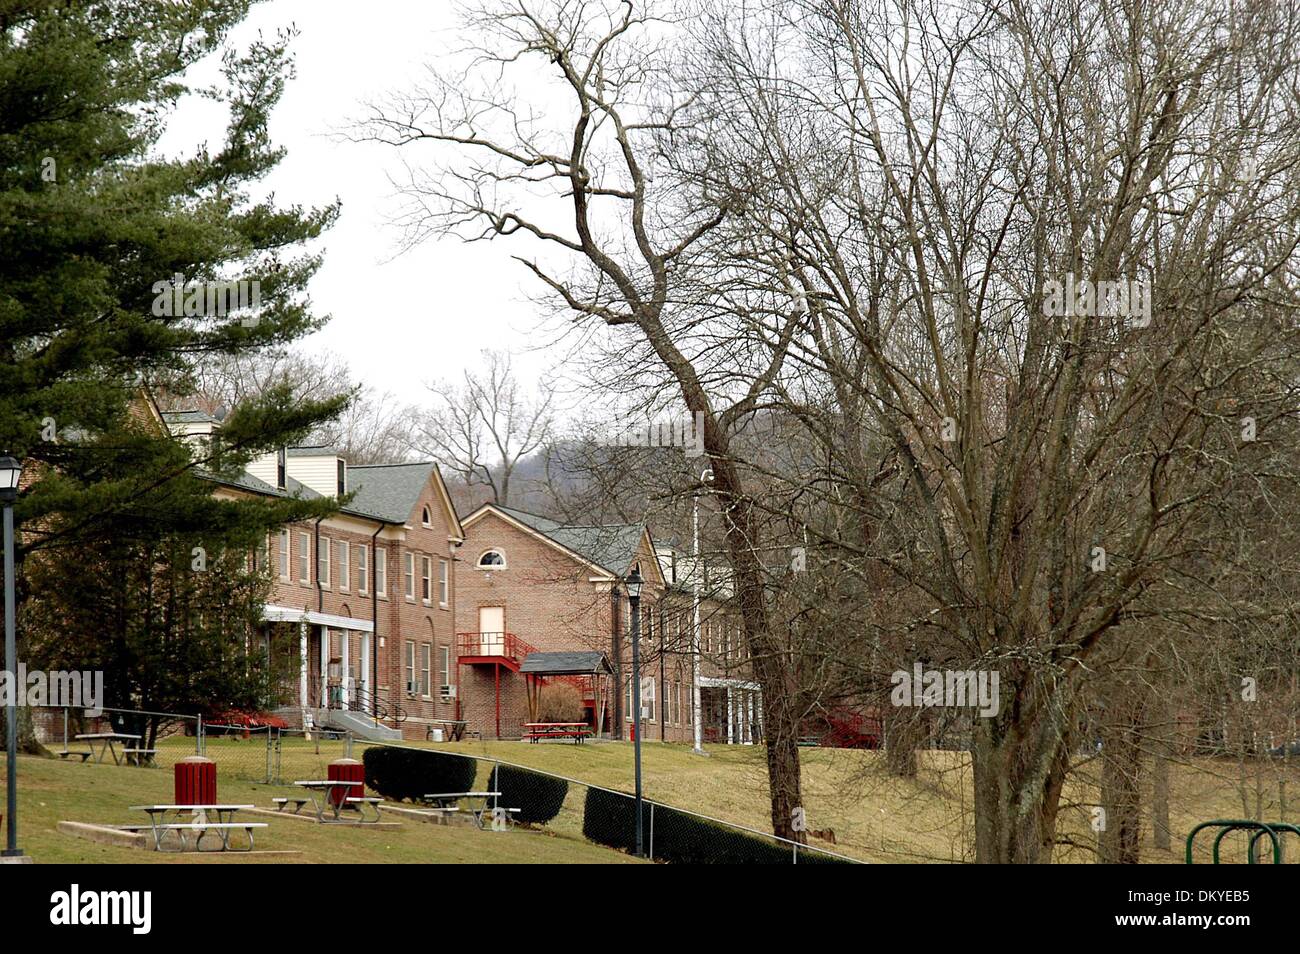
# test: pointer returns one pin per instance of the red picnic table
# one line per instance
(536, 731)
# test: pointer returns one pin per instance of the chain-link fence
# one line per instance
(255, 753)
(536, 798)
(529, 797)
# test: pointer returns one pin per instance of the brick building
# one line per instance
(369, 589)
(531, 584)
(391, 615)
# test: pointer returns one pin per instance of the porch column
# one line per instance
(302, 664)
(365, 667)
(324, 666)
(347, 667)
(731, 718)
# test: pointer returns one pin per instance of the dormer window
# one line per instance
(426, 518)
(492, 560)
(342, 477)
(281, 467)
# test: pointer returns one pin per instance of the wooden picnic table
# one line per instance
(315, 787)
(223, 826)
(447, 801)
(107, 743)
(536, 731)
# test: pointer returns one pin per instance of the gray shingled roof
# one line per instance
(187, 417)
(566, 664)
(388, 491)
(612, 547)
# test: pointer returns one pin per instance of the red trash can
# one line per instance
(196, 781)
(346, 770)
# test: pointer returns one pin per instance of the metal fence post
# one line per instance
(65, 728)
(268, 755)
(198, 736)
(652, 831)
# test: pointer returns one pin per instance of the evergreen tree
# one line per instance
(95, 226)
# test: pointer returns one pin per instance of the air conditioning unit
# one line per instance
(448, 692)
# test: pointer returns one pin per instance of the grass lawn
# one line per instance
(879, 818)
(873, 816)
(51, 791)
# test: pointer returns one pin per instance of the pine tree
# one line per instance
(95, 226)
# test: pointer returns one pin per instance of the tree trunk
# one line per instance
(28, 744)
(1163, 750)
(1121, 773)
(1017, 781)
(901, 734)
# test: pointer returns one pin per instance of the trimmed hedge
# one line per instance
(538, 797)
(409, 774)
(609, 818)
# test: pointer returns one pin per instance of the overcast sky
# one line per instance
(398, 321)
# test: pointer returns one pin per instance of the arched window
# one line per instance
(492, 560)
(426, 518)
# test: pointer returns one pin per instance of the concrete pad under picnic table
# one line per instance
(128, 837)
(311, 817)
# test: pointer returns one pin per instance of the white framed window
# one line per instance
(304, 558)
(444, 665)
(262, 555)
(647, 699)
(411, 684)
(323, 561)
(492, 560)
(426, 664)
(426, 519)
(443, 570)
(426, 580)
(284, 554)
(363, 569)
(381, 572)
(345, 565)
(408, 574)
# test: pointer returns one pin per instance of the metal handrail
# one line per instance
(507, 645)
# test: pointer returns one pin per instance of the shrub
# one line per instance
(559, 702)
(609, 818)
(538, 797)
(408, 774)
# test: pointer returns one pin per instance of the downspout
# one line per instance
(374, 622)
(320, 608)
(616, 617)
(663, 686)
(320, 593)
(453, 652)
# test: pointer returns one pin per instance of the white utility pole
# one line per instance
(696, 573)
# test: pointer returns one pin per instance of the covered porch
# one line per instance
(330, 659)
(731, 711)
(590, 672)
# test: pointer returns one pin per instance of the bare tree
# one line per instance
(938, 172)
(481, 428)
(629, 239)
(374, 428)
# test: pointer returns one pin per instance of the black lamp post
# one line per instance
(634, 583)
(10, 470)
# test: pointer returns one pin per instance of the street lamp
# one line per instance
(634, 583)
(10, 470)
